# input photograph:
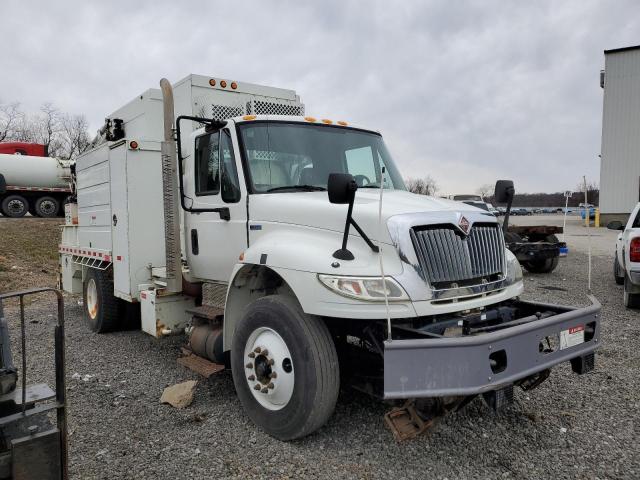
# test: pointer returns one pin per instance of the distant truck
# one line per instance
(626, 264)
(32, 182)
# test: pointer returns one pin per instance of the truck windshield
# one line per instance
(285, 156)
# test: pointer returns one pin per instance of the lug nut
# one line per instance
(265, 352)
(251, 378)
(272, 361)
(249, 365)
(265, 390)
(257, 350)
(252, 355)
(257, 387)
(273, 375)
(271, 386)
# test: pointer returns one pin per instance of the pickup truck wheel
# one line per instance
(617, 271)
(631, 300)
(100, 305)
(47, 207)
(15, 206)
(285, 368)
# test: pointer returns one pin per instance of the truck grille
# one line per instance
(446, 255)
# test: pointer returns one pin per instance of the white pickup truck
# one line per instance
(626, 264)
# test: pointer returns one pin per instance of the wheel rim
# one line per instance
(92, 299)
(269, 368)
(47, 207)
(15, 207)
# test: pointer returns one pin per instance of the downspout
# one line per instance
(170, 194)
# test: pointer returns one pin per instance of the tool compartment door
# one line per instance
(120, 221)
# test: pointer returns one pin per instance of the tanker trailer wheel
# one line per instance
(47, 207)
(100, 306)
(15, 206)
(285, 368)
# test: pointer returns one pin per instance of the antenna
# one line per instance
(380, 236)
(587, 212)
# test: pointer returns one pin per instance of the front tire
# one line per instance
(631, 300)
(285, 368)
(100, 305)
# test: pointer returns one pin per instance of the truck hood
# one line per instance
(313, 209)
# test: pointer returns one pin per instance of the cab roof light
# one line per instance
(234, 85)
(342, 122)
(327, 121)
(223, 83)
(249, 117)
(310, 119)
(212, 82)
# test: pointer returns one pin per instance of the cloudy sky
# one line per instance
(467, 92)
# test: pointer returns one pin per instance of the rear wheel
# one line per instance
(543, 266)
(618, 274)
(47, 207)
(15, 206)
(285, 368)
(100, 305)
(631, 300)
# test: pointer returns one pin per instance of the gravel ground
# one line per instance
(570, 427)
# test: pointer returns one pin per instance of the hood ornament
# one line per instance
(464, 225)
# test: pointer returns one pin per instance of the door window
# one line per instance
(208, 164)
(230, 184)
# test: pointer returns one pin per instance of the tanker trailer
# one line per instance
(38, 185)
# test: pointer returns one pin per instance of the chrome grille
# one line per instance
(447, 255)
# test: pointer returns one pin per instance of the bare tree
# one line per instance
(423, 186)
(10, 115)
(75, 135)
(485, 190)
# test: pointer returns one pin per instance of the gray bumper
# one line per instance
(461, 365)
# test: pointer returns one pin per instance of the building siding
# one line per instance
(620, 151)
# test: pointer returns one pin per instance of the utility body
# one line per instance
(260, 232)
(32, 182)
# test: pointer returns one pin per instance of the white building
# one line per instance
(620, 151)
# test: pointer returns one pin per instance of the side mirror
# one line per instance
(341, 187)
(504, 191)
(615, 225)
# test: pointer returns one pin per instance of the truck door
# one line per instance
(215, 240)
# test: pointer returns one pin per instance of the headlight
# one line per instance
(514, 270)
(365, 288)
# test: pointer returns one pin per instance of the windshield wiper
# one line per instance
(302, 188)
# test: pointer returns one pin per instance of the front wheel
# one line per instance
(285, 368)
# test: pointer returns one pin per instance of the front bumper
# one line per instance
(460, 366)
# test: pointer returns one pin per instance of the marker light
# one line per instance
(310, 119)
(133, 145)
(364, 288)
(223, 84)
(327, 121)
(343, 123)
(249, 117)
(212, 82)
(234, 85)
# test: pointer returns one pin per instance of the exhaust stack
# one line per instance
(170, 194)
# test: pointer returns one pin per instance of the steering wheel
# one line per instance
(360, 180)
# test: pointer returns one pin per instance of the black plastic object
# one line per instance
(8, 373)
(195, 247)
(498, 399)
(583, 364)
(504, 193)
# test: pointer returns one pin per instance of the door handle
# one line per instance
(195, 248)
(224, 212)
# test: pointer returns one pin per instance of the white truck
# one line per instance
(36, 184)
(626, 263)
(288, 248)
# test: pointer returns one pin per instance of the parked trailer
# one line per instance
(260, 234)
(36, 184)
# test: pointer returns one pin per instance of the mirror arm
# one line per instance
(344, 253)
(505, 222)
(364, 236)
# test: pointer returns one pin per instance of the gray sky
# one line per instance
(467, 92)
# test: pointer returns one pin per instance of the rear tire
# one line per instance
(47, 207)
(302, 395)
(631, 300)
(15, 206)
(100, 305)
(617, 270)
